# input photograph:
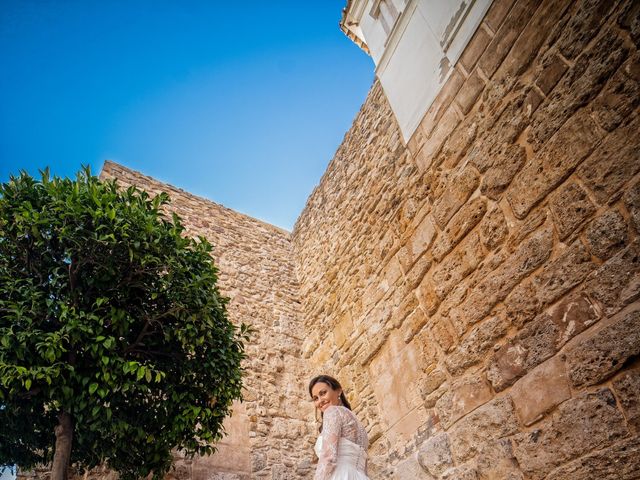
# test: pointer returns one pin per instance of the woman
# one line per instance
(342, 444)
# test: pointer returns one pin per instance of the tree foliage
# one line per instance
(111, 316)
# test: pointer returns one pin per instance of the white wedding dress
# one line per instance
(341, 447)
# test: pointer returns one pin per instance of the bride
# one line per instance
(342, 444)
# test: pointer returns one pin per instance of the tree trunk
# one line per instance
(62, 454)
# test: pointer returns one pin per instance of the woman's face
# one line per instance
(324, 396)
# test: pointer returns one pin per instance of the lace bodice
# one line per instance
(337, 422)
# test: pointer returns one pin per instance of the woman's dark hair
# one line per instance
(333, 383)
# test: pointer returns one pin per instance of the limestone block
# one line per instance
(442, 332)
(437, 109)
(462, 222)
(395, 372)
(528, 256)
(540, 390)
(617, 282)
(620, 97)
(534, 35)
(587, 422)
(463, 472)
(505, 36)
(552, 70)
(571, 316)
(618, 462)
(563, 273)
(427, 296)
(434, 455)
(439, 135)
(476, 344)
(632, 202)
(552, 164)
(531, 346)
(422, 237)
(459, 189)
(497, 13)
(578, 86)
(487, 424)
(613, 163)
(522, 304)
(607, 234)
(496, 460)
(457, 265)
(629, 19)
(470, 91)
(474, 49)
(583, 25)
(505, 166)
(570, 206)
(493, 229)
(627, 388)
(413, 324)
(464, 395)
(602, 354)
(409, 468)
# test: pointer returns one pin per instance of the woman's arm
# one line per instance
(331, 429)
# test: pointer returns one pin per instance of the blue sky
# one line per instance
(243, 103)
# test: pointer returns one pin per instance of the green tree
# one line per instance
(115, 344)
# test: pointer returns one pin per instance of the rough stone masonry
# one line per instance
(477, 290)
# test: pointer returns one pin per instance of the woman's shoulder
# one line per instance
(339, 411)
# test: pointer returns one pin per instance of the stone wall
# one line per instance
(257, 273)
(477, 292)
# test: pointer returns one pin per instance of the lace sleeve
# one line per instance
(331, 429)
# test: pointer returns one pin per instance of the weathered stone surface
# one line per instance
(458, 191)
(443, 333)
(620, 97)
(515, 21)
(494, 230)
(578, 86)
(464, 395)
(497, 13)
(617, 282)
(522, 304)
(627, 388)
(629, 19)
(540, 340)
(583, 25)
(562, 274)
(457, 265)
(552, 70)
(473, 347)
(534, 344)
(527, 45)
(462, 222)
(434, 455)
(487, 424)
(572, 143)
(504, 168)
(470, 92)
(540, 390)
(614, 162)
(474, 49)
(495, 460)
(533, 251)
(570, 206)
(607, 234)
(632, 202)
(619, 462)
(571, 316)
(463, 472)
(579, 425)
(599, 356)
